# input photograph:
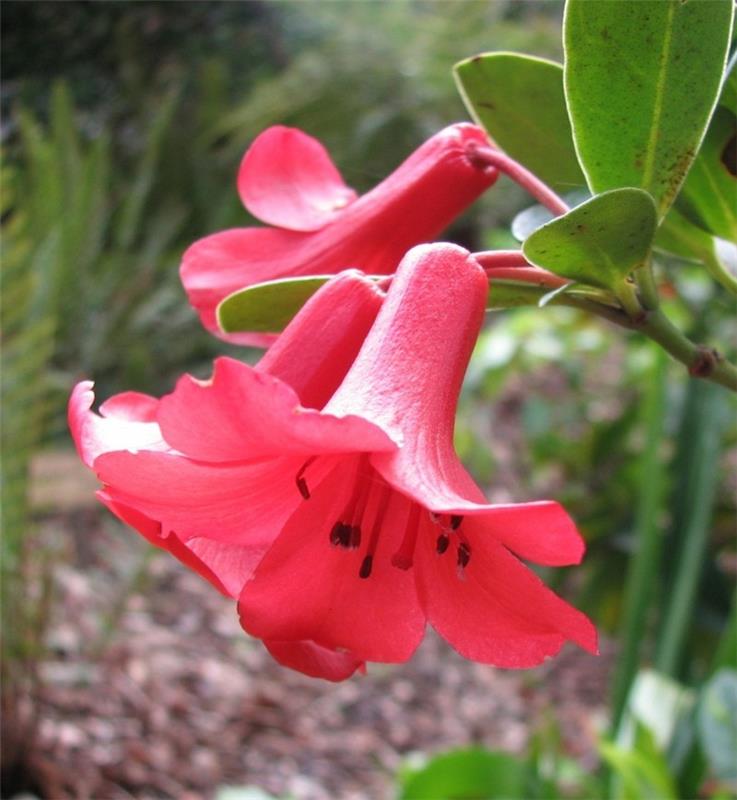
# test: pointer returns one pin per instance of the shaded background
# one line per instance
(123, 127)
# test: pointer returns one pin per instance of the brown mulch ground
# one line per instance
(153, 691)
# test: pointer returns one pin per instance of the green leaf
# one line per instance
(717, 724)
(678, 236)
(641, 80)
(519, 100)
(600, 242)
(270, 306)
(699, 452)
(471, 773)
(267, 307)
(728, 98)
(510, 294)
(642, 769)
(709, 195)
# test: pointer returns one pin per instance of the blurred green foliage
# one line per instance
(671, 738)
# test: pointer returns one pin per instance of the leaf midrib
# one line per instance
(648, 170)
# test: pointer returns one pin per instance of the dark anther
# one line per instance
(340, 535)
(355, 537)
(366, 565)
(442, 543)
(464, 555)
(455, 521)
(303, 488)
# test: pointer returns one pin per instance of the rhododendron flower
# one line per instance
(287, 179)
(312, 356)
(370, 525)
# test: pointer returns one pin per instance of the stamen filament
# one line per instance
(403, 557)
(382, 506)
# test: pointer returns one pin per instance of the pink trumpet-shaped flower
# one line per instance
(370, 525)
(312, 356)
(320, 227)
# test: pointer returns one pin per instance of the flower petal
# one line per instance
(426, 193)
(306, 588)
(242, 413)
(496, 610)
(94, 435)
(220, 264)
(287, 179)
(319, 345)
(240, 504)
(232, 565)
(226, 566)
(132, 406)
(315, 660)
(541, 532)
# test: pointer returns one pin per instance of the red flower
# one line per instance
(370, 524)
(312, 356)
(288, 180)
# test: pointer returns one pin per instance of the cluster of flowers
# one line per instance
(320, 488)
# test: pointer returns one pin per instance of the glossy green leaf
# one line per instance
(600, 242)
(519, 100)
(267, 307)
(717, 723)
(510, 294)
(641, 81)
(728, 97)
(471, 773)
(709, 195)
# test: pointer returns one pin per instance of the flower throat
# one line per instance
(366, 511)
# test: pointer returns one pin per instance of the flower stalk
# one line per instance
(492, 157)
